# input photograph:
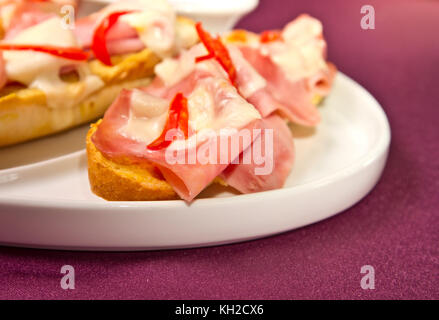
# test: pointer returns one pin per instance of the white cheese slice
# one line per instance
(41, 70)
(213, 105)
(154, 21)
(148, 115)
(302, 53)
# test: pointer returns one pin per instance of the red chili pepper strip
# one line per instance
(99, 44)
(216, 49)
(183, 121)
(178, 118)
(63, 52)
(270, 36)
(203, 58)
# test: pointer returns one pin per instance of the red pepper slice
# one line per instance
(178, 118)
(270, 36)
(99, 44)
(63, 52)
(216, 49)
(183, 121)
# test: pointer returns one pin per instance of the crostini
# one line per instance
(216, 113)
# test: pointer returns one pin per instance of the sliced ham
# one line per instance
(293, 99)
(272, 170)
(267, 172)
(124, 46)
(321, 83)
(120, 32)
(265, 78)
(293, 69)
(264, 83)
(148, 23)
(189, 178)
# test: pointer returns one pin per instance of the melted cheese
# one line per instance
(157, 25)
(301, 54)
(186, 34)
(147, 118)
(7, 12)
(154, 21)
(171, 71)
(213, 105)
(41, 70)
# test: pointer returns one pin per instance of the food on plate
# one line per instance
(216, 113)
(16, 15)
(292, 66)
(53, 78)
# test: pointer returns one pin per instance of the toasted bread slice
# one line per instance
(121, 180)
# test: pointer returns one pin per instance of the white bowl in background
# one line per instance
(217, 16)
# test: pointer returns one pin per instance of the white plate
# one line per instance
(49, 204)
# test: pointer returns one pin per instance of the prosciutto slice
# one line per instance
(272, 172)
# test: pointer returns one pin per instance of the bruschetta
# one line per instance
(216, 113)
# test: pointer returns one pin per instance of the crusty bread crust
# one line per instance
(121, 180)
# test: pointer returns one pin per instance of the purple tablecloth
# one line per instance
(394, 229)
